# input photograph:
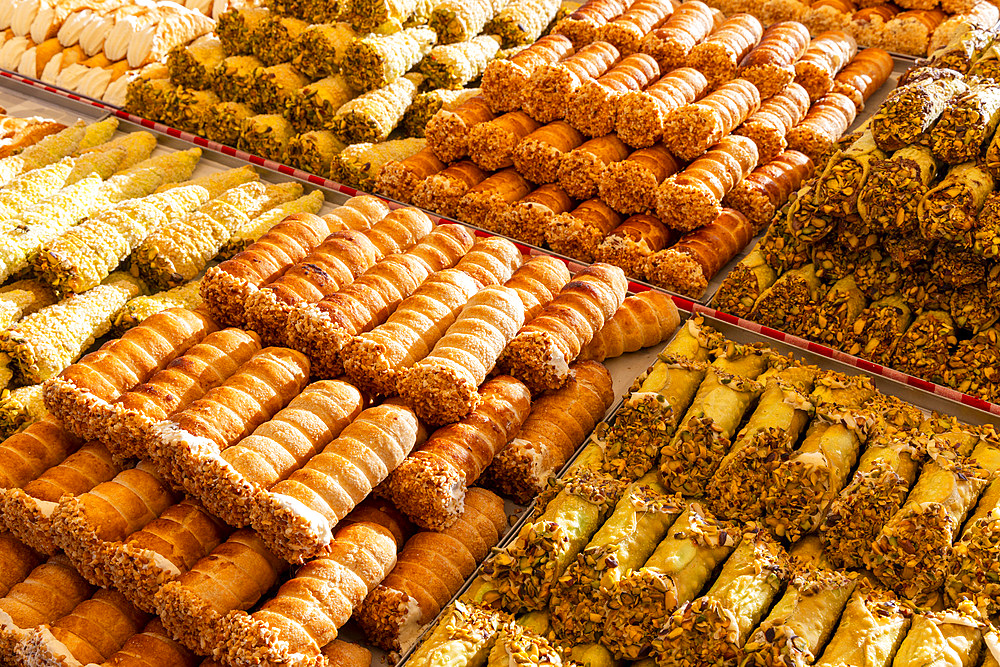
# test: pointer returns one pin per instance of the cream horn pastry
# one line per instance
(27, 454)
(693, 197)
(504, 80)
(374, 360)
(154, 41)
(85, 525)
(226, 287)
(447, 132)
(442, 191)
(910, 32)
(18, 560)
(765, 190)
(60, 61)
(558, 424)
(644, 320)
(398, 178)
(770, 65)
(297, 515)
(429, 571)
(582, 169)
(346, 654)
(641, 113)
(90, 634)
(203, 367)
(343, 256)
(625, 33)
(770, 125)
(433, 484)
(491, 144)
(321, 330)
(34, 61)
(539, 155)
(671, 43)
(583, 25)
(579, 232)
(528, 218)
(151, 647)
(235, 575)
(630, 186)
(827, 54)
(629, 245)
(486, 203)
(49, 592)
(692, 129)
(227, 484)
(863, 75)
(718, 57)
(593, 107)
(307, 611)
(688, 266)
(547, 93)
(827, 120)
(28, 512)
(227, 413)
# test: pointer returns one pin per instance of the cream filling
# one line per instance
(140, 46)
(318, 525)
(117, 91)
(12, 51)
(27, 65)
(637, 397)
(203, 6)
(119, 37)
(24, 16)
(45, 507)
(51, 72)
(44, 19)
(161, 562)
(56, 648)
(536, 456)
(94, 34)
(993, 645)
(409, 625)
(70, 77)
(6, 13)
(95, 82)
(557, 362)
(72, 27)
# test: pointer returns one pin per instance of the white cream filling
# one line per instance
(557, 362)
(56, 648)
(43, 23)
(45, 507)
(117, 41)
(161, 562)
(69, 32)
(11, 52)
(94, 34)
(993, 645)
(117, 91)
(51, 71)
(26, 67)
(951, 618)
(637, 397)
(172, 435)
(95, 82)
(6, 13)
(70, 77)
(140, 46)
(24, 16)
(409, 626)
(318, 525)
(203, 6)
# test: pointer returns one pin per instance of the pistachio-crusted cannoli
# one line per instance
(455, 65)
(374, 115)
(827, 120)
(320, 48)
(640, 520)
(222, 122)
(314, 152)
(447, 131)
(526, 572)
(878, 328)
(895, 186)
(460, 21)
(235, 26)
(426, 105)
(530, 217)
(966, 124)
(579, 232)
(972, 308)
(784, 250)
(272, 87)
(487, 203)
(911, 110)
(266, 135)
(20, 408)
(926, 346)
(770, 124)
(711, 421)
(836, 314)
(234, 76)
(465, 632)
(871, 628)
(640, 602)
(442, 192)
(945, 492)
(657, 401)
(631, 244)
(888, 468)
(522, 22)
(790, 303)
(716, 626)
(630, 186)
(970, 369)
(641, 113)
(744, 285)
(764, 443)
(845, 175)
(593, 106)
(192, 65)
(314, 106)
(948, 211)
(961, 52)
(770, 65)
(671, 43)
(547, 93)
(273, 41)
(718, 57)
(504, 80)
(803, 487)
(953, 633)
(762, 193)
(692, 129)
(974, 554)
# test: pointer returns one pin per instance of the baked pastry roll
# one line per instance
(346, 654)
(28, 512)
(641, 114)
(373, 360)
(593, 106)
(447, 132)
(767, 188)
(671, 43)
(969, 120)
(950, 210)
(398, 179)
(297, 515)
(771, 64)
(910, 32)
(644, 320)
(343, 256)
(692, 129)
(546, 95)
(227, 413)
(583, 25)
(826, 56)
(17, 560)
(307, 611)
(433, 483)
(718, 57)
(455, 65)
(582, 169)
(320, 331)
(626, 32)
(226, 287)
(871, 628)
(629, 245)
(442, 191)
(485, 204)
(770, 124)
(693, 197)
(151, 647)
(539, 155)
(630, 186)
(557, 425)
(504, 80)
(492, 144)
(954, 635)
(895, 128)
(579, 232)
(429, 570)
(529, 217)
(699, 255)
(865, 74)
(827, 120)
(26, 455)
(51, 590)
(744, 284)
(973, 552)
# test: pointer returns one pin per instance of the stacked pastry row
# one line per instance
(80, 203)
(913, 27)
(891, 253)
(227, 428)
(725, 517)
(666, 161)
(300, 92)
(94, 49)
